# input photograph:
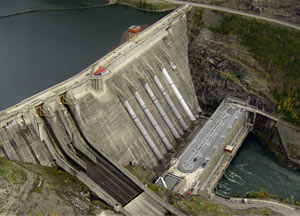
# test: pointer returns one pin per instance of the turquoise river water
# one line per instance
(255, 167)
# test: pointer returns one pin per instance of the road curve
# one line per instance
(275, 206)
(242, 13)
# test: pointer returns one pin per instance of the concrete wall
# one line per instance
(234, 131)
(103, 116)
(97, 105)
(19, 141)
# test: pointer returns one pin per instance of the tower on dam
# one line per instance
(133, 104)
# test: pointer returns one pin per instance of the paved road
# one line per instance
(275, 206)
(218, 8)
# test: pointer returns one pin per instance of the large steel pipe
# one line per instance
(162, 111)
(154, 123)
(178, 95)
(170, 103)
(143, 131)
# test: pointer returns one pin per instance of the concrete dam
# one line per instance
(132, 105)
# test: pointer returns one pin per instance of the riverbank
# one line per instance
(148, 5)
(194, 204)
(281, 140)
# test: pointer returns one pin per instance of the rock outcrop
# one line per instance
(221, 66)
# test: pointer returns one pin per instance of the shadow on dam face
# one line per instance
(101, 171)
(104, 173)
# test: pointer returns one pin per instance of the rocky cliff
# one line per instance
(223, 64)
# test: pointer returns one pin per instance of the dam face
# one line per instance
(134, 111)
(98, 103)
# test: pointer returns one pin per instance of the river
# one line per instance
(255, 167)
(41, 49)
